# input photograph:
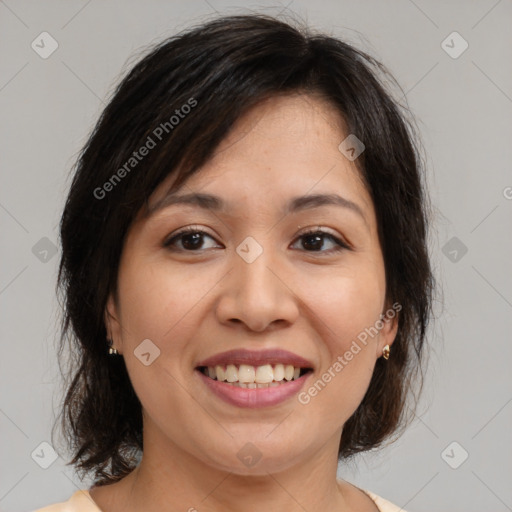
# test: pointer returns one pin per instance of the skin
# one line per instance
(196, 303)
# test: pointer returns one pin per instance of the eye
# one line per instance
(191, 239)
(314, 240)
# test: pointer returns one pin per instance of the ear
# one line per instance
(112, 323)
(388, 332)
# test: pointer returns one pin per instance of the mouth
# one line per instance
(254, 377)
(246, 378)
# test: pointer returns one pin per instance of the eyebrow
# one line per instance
(217, 204)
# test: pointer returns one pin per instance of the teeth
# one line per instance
(231, 373)
(288, 372)
(264, 374)
(219, 370)
(246, 373)
(252, 377)
(278, 372)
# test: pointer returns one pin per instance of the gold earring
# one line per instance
(111, 350)
(385, 352)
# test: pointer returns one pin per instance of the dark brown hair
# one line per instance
(221, 69)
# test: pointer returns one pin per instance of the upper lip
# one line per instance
(256, 358)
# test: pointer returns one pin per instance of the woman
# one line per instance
(245, 276)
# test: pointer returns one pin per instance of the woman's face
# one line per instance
(247, 279)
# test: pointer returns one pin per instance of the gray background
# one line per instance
(463, 106)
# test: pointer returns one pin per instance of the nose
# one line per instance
(257, 294)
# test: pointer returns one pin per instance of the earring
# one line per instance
(111, 350)
(385, 352)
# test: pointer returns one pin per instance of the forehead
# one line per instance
(284, 146)
(296, 113)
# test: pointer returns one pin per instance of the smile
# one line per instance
(254, 377)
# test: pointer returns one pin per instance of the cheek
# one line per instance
(157, 299)
(158, 305)
(348, 303)
(161, 303)
(338, 389)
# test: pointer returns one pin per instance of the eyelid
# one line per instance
(191, 228)
(314, 229)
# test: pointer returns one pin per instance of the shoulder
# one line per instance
(382, 504)
(80, 501)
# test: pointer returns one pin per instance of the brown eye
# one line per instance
(313, 241)
(191, 239)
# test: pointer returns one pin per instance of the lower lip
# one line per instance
(256, 397)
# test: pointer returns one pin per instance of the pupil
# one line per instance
(315, 238)
(195, 244)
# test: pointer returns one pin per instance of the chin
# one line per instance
(257, 457)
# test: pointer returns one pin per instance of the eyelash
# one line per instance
(340, 244)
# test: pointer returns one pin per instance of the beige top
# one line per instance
(81, 501)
